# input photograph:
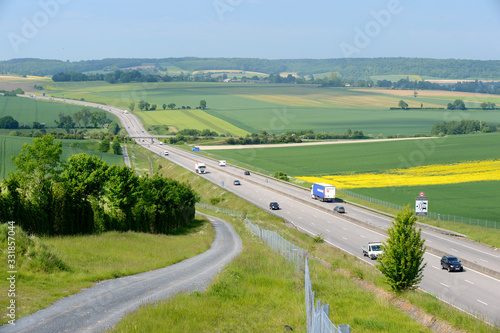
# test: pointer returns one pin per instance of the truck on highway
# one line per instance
(200, 167)
(323, 192)
(373, 250)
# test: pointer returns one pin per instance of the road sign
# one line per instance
(421, 206)
(421, 194)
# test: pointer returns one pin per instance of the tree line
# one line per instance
(462, 127)
(84, 195)
(346, 67)
(263, 137)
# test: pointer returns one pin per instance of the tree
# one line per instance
(164, 106)
(402, 104)
(37, 169)
(171, 106)
(203, 104)
(86, 116)
(458, 104)
(8, 122)
(281, 175)
(104, 145)
(131, 107)
(153, 107)
(65, 122)
(402, 261)
(99, 118)
(117, 149)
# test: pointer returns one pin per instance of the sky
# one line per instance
(269, 29)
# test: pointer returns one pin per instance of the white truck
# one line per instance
(373, 250)
(200, 167)
(222, 163)
(323, 192)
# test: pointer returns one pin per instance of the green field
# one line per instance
(366, 156)
(12, 145)
(476, 200)
(28, 110)
(276, 108)
(338, 159)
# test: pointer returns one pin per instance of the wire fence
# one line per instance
(431, 215)
(225, 211)
(291, 252)
(318, 320)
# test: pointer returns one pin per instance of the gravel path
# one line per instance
(99, 308)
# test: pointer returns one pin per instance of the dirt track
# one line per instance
(277, 145)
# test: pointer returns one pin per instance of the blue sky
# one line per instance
(272, 29)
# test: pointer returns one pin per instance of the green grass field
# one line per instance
(366, 156)
(28, 110)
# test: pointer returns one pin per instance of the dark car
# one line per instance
(274, 205)
(451, 263)
(236, 182)
(247, 173)
(339, 209)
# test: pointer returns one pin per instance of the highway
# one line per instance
(475, 291)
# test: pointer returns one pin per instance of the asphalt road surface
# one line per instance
(99, 308)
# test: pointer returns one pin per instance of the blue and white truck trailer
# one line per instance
(323, 192)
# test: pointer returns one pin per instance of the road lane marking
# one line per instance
(469, 282)
(483, 260)
(362, 236)
(344, 238)
(482, 302)
(444, 285)
(327, 230)
(436, 267)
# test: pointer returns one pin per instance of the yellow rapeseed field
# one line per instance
(423, 175)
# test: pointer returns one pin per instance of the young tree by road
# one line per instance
(402, 261)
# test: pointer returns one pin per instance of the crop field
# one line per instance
(278, 108)
(476, 200)
(28, 110)
(365, 156)
(374, 158)
(435, 174)
(12, 145)
(196, 119)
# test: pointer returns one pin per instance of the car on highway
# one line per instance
(339, 209)
(247, 173)
(222, 163)
(274, 206)
(236, 182)
(165, 153)
(451, 263)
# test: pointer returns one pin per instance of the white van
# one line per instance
(222, 163)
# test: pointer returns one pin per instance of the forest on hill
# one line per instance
(359, 68)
